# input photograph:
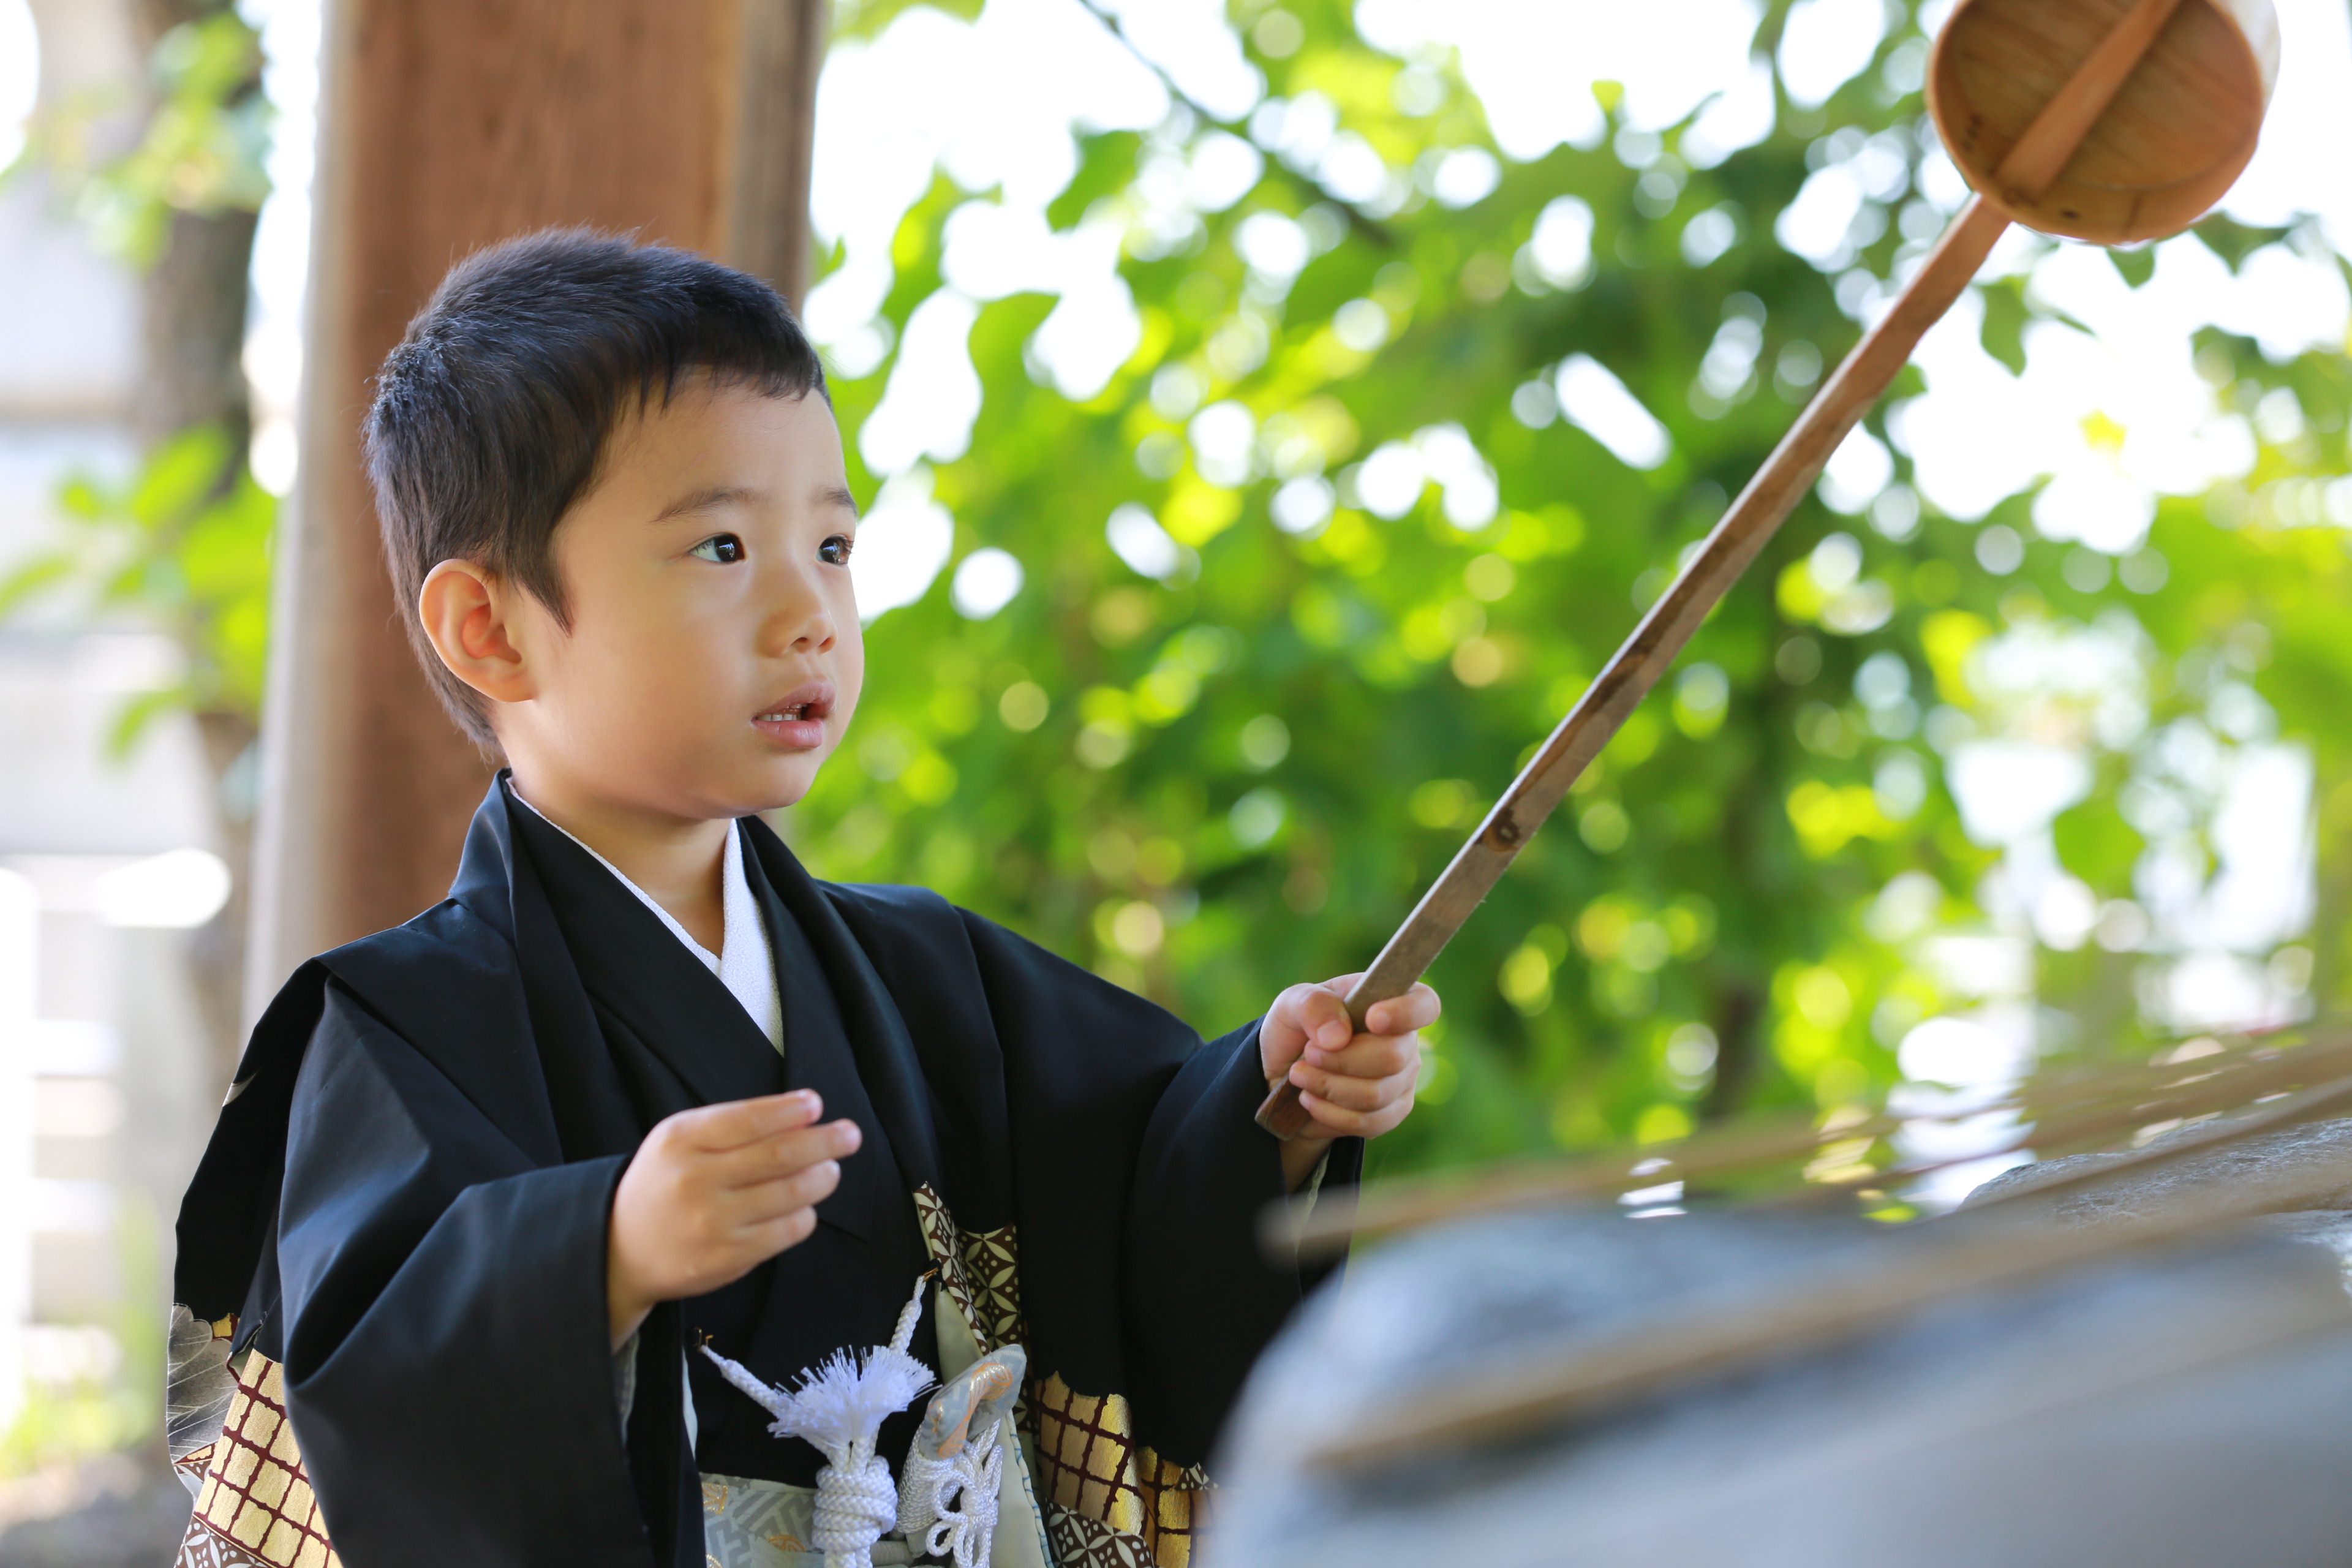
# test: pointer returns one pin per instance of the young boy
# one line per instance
(641, 1085)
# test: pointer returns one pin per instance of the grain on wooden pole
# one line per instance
(782, 48)
(447, 126)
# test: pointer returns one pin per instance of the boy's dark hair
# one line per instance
(491, 417)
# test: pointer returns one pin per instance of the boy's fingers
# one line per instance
(1340, 1120)
(779, 1234)
(1369, 1056)
(1416, 1009)
(741, 1121)
(1317, 1013)
(763, 1201)
(1349, 1093)
(784, 1153)
(1365, 1093)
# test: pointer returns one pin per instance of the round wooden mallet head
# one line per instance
(2178, 132)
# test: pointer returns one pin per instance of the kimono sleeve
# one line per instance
(1135, 1143)
(444, 1329)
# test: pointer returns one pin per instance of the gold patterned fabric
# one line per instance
(1110, 1503)
(1090, 1467)
(255, 1505)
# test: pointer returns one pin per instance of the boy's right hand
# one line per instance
(713, 1193)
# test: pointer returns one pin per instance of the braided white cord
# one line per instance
(839, 1407)
(919, 1480)
(855, 1504)
(968, 1532)
(856, 1500)
(950, 1505)
(774, 1401)
(904, 1335)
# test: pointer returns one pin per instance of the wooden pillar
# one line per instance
(447, 126)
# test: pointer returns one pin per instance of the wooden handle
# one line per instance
(1635, 668)
(2037, 160)
(1664, 631)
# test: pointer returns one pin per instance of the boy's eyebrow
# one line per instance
(725, 495)
(704, 501)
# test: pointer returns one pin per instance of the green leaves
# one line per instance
(2234, 241)
(2008, 311)
(2135, 263)
(1107, 163)
(202, 150)
(184, 544)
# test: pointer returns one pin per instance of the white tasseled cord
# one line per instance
(856, 1501)
(839, 1407)
(952, 1503)
(948, 1495)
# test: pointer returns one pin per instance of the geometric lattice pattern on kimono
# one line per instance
(203, 1549)
(980, 1271)
(1084, 1543)
(992, 1262)
(1091, 1472)
(256, 1506)
(940, 1239)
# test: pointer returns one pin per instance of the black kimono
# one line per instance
(397, 1236)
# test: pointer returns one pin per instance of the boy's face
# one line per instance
(714, 655)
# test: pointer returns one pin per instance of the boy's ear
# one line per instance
(464, 610)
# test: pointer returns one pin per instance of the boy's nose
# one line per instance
(802, 623)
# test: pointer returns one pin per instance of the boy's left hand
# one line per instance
(1353, 1085)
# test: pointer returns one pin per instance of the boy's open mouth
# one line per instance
(798, 717)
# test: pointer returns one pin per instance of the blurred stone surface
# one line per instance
(2322, 1149)
(2168, 1411)
(2330, 1228)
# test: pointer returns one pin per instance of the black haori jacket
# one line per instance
(397, 1235)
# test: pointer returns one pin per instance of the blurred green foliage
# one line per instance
(184, 546)
(1242, 770)
(181, 545)
(200, 147)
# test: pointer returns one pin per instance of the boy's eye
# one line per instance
(724, 548)
(834, 552)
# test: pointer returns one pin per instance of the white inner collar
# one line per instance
(745, 962)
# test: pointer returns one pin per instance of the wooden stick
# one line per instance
(1745, 529)
(2038, 158)
(1735, 1334)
